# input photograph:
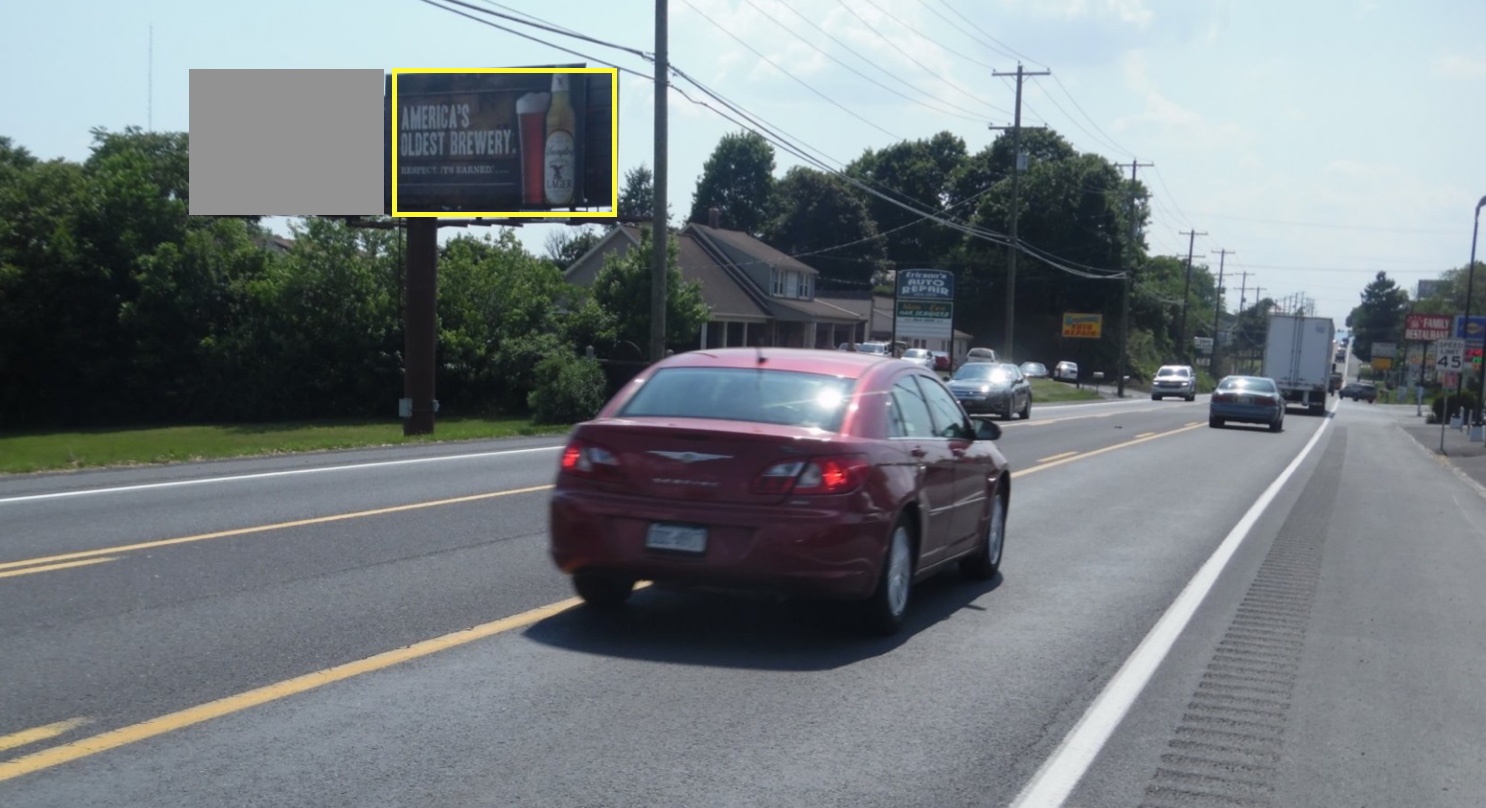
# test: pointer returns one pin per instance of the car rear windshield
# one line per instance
(765, 396)
(1182, 372)
(1262, 385)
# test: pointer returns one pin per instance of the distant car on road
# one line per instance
(1174, 380)
(803, 472)
(1247, 399)
(942, 360)
(981, 355)
(997, 387)
(1034, 370)
(1357, 391)
(1066, 372)
(921, 357)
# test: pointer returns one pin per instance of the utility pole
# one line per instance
(1124, 367)
(1243, 288)
(1016, 192)
(659, 232)
(1218, 306)
(1186, 348)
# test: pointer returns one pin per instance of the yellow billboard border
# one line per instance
(519, 214)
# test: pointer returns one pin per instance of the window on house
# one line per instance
(792, 284)
(778, 281)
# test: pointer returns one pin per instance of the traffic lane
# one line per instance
(122, 642)
(1035, 442)
(1364, 685)
(748, 703)
(213, 501)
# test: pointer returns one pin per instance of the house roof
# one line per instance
(760, 251)
(724, 296)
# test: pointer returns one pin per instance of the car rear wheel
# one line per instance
(604, 592)
(984, 563)
(1191, 396)
(1277, 424)
(886, 607)
(1215, 423)
(1155, 397)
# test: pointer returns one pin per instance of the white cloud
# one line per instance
(1127, 11)
(1456, 66)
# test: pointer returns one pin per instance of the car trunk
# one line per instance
(703, 460)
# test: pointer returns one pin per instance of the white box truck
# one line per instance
(1298, 355)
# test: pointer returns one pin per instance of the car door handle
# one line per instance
(958, 452)
(918, 451)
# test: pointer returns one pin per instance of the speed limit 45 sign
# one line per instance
(1449, 355)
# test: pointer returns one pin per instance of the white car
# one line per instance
(1066, 372)
(1174, 380)
(920, 356)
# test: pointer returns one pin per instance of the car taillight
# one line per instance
(819, 475)
(586, 459)
(1223, 398)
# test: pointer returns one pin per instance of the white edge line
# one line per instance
(1062, 771)
(267, 474)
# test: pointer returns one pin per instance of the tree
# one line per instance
(738, 180)
(623, 289)
(566, 245)
(918, 174)
(637, 197)
(818, 211)
(1380, 316)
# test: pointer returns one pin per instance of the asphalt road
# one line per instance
(298, 631)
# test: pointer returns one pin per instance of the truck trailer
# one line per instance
(1298, 356)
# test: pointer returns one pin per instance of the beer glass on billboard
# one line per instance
(561, 155)
(531, 115)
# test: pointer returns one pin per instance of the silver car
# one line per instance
(1174, 380)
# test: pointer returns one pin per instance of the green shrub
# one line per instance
(568, 389)
(1465, 400)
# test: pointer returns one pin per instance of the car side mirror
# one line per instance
(987, 430)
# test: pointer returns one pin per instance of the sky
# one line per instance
(1320, 141)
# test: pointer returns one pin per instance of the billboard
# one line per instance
(1082, 326)
(924, 305)
(1428, 289)
(1384, 349)
(1427, 327)
(533, 142)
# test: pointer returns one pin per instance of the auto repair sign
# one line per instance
(926, 284)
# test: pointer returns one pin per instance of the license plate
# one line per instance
(1246, 399)
(677, 538)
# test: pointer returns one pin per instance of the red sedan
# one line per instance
(838, 475)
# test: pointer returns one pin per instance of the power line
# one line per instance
(537, 40)
(552, 29)
(972, 116)
(926, 37)
(787, 144)
(789, 74)
(905, 53)
(1109, 141)
(1000, 46)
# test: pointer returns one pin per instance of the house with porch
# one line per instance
(757, 295)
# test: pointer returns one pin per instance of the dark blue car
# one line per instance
(1247, 399)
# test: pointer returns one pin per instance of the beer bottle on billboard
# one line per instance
(561, 153)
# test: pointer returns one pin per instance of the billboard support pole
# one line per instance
(419, 339)
(659, 232)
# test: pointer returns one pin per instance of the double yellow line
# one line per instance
(113, 739)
